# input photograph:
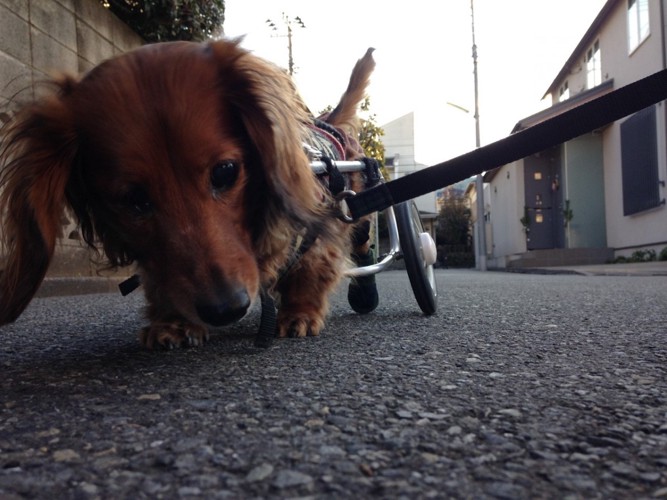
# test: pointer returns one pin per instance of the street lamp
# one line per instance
(479, 179)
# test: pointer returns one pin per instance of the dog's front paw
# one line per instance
(173, 334)
(299, 325)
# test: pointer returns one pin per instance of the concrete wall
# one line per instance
(506, 199)
(40, 38)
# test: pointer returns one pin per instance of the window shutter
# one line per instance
(639, 157)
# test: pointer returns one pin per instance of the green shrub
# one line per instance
(164, 20)
(663, 254)
(643, 256)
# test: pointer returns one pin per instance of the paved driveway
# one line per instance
(522, 386)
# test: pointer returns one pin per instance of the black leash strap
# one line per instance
(336, 179)
(129, 285)
(268, 323)
(577, 121)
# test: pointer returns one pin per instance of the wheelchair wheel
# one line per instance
(419, 254)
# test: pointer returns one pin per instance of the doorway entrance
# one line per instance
(544, 201)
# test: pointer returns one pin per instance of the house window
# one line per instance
(638, 23)
(639, 162)
(593, 66)
(563, 92)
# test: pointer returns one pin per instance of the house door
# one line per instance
(543, 202)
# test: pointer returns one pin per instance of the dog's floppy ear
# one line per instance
(36, 154)
(273, 116)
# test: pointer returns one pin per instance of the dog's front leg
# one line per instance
(304, 292)
(170, 334)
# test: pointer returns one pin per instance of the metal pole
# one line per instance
(479, 180)
(287, 21)
(290, 61)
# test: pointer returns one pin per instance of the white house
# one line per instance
(425, 137)
(600, 195)
(402, 152)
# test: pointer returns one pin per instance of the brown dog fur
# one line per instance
(186, 159)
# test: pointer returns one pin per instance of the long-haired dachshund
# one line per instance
(188, 160)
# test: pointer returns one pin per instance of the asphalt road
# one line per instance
(522, 386)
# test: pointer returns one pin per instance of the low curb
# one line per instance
(58, 287)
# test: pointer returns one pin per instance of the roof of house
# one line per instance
(576, 100)
(588, 38)
(555, 110)
(562, 106)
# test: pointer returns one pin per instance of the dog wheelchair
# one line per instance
(407, 240)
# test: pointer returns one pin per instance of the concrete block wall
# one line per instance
(42, 38)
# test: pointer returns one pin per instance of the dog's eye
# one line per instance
(224, 174)
(138, 201)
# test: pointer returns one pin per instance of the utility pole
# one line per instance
(479, 179)
(288, 22)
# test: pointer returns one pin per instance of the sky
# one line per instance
(424, 57)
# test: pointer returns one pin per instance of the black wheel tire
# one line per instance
(422, 276)
(362, 292)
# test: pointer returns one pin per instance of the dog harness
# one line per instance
(327, 144)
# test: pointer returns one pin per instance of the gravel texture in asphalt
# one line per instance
(521, 386)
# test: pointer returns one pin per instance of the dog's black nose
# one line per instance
(232, 308)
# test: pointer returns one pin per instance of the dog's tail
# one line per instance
(344, 114)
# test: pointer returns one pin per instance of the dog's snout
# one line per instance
(225, 310)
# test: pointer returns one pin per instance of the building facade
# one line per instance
(402, 151)
(601, 195)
